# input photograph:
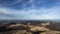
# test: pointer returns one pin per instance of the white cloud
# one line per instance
(43, 13)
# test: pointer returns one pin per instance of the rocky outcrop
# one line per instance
(18, 28)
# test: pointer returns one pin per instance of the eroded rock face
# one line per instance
(17, 26)
(29, 29)
(37, 28)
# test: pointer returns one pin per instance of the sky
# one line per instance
(29, 9)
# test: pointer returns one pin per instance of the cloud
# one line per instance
(32, 9)
(43, 13)
(9, 2)
(23, 4)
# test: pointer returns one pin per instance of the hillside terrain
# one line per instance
(29, 28)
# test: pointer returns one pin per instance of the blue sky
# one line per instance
(29, 9)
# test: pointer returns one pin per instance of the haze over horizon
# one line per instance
(29, 9)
